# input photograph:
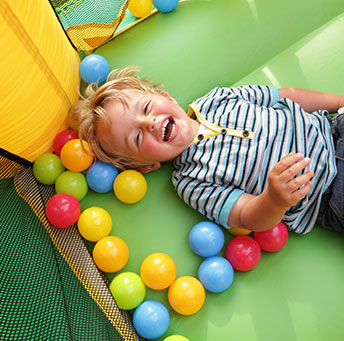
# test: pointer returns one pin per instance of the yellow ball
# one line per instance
(176, 338)
(140, 8)
(186, 295)
(130, 186)
(94, 223)
(236, 231)
(158, 271)
(110, 254)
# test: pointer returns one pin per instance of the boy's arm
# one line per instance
(285, 189)
(313, 100)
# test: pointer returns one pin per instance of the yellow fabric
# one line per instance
(40, 77)
(215, 129)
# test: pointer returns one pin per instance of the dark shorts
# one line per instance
(331, 213)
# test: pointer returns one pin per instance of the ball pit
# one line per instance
(267, 57)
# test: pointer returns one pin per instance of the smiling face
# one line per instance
(150, 129)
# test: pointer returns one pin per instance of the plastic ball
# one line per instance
(216, 274)
(110, 254)
(151, 319)
(73, 183)
(101, 176)
(176, 338)
(62, 138)
(73, 123)
(206, 239)
(186, 295)
(94, 68)
(130, 186)
(62, 210)
(128, 290)
(74, 157)
(165, 6)
(94, 223)
(236, 231)
(140, 8)
(47, 168)
(158, 271)
(243, 253)
(274, 239)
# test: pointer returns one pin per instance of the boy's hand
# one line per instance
(285, 189)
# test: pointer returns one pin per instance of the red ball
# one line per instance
(243, 253)
(62, 138)
(273, 239)
(63, 210)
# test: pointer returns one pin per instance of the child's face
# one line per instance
(153, 128)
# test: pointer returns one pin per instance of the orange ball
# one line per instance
(110, 254)
(186, 295)
(236, 231)
(158, 271)
(74, 157)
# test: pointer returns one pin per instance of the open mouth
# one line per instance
(168, 129)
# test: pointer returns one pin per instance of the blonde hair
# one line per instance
(89, 110)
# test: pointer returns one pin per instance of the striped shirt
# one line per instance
(261, 129)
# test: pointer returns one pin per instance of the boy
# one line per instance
(245, 157)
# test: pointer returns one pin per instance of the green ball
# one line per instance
(128, 290)
(47, 168)
(73, 183)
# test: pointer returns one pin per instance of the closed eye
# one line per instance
(146, 108)
(138, 139)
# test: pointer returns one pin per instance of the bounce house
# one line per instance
(51, 289)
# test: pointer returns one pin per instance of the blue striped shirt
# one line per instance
(212, 173)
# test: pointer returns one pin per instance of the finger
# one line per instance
(299, 181)
(286, 162)
(291, 172)
(301, 193)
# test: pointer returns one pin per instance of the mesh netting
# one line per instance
(50, 287)
(90, 23)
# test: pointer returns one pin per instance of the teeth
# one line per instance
(164, 129)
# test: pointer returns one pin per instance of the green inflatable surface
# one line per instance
(296, 293)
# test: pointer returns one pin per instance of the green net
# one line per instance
(90, 23)
(50, 287)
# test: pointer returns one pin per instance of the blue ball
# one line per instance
(151, 319)
(101, 176)
(216, 274)
(206, 239)
(94, 68)
(165, 5)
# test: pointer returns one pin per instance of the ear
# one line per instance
(149, 168)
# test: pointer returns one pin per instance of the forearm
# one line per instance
(313, 100)
(260, 213)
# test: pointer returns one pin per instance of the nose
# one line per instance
(149, 123)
